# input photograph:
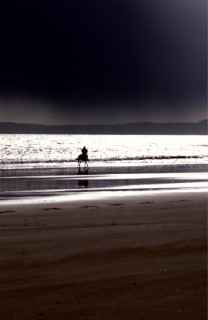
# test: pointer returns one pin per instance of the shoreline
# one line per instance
(126, 197)
(57, 186)
(93, 196)
(123, 165)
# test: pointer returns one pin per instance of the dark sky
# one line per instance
(103, 61)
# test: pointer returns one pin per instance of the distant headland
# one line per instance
(143, 128)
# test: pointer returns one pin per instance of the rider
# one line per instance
(84, 151)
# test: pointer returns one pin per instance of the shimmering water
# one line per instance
(60, 151)
(44, 166)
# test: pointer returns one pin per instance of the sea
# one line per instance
(41, 165)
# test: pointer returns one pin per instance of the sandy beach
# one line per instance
(132, 257)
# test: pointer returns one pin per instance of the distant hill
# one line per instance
(144, 128)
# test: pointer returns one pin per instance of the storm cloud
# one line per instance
(103, 61)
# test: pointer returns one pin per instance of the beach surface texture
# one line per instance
(119, 257)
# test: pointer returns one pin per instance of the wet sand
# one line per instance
(134, 257)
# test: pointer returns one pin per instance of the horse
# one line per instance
(83, 158)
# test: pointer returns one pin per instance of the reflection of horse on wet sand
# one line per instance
(83, 182)
(83, 158)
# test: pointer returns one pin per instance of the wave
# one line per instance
(114, 159)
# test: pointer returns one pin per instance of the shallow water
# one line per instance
(37, 166)
(47, 184)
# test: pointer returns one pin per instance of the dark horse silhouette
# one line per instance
(83, 158)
